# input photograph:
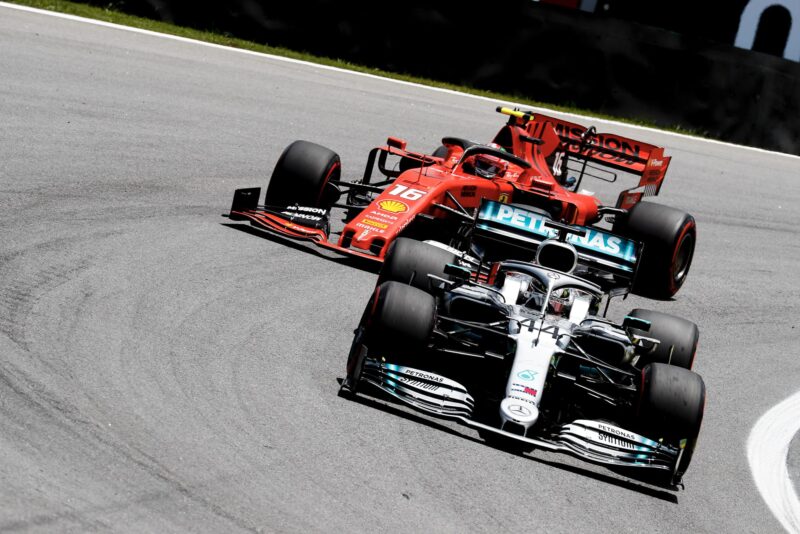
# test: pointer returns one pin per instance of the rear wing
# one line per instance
(644, 160)
(601, 253)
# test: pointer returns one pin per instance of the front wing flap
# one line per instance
(599, 441)
(593, 441)
(423, 390)
(296, 222)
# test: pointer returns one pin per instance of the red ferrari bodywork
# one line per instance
(535, 148)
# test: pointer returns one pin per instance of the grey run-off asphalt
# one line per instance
(160, 371)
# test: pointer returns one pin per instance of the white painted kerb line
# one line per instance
(767, 449)
(373, 76)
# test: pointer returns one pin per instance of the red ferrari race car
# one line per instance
(535, 162)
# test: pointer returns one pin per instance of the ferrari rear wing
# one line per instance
(644, 160)
(607, 148)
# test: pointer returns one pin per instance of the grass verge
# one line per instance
(117, 17)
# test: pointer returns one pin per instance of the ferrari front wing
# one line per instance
(296, 222)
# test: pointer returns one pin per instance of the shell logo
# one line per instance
(393, 206)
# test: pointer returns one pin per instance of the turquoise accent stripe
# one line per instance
(530, 222)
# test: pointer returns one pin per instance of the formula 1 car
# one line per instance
(534, 161)
(524, 358)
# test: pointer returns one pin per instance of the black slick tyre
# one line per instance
(671, 408)
(402, 318)
(410, 262)
(678, 337)
(302, 176)
(669, 236)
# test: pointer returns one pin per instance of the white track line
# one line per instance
(401, 82)
(768, 444)
(767, 449)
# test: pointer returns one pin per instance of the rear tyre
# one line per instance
(410, 262)
(678, 337)
(669, 237)
(402, 318)
(302, 177)
(671, 408)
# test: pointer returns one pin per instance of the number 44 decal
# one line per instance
(407, 192)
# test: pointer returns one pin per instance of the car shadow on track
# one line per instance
(390, 406)
(303, 246)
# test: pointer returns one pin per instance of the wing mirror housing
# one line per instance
(457, 272)
(637, 323)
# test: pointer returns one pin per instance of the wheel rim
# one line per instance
(682, 259)
(331, 173)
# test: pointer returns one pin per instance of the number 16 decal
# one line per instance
(407, 192)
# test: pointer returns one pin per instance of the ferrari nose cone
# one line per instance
(520, 412)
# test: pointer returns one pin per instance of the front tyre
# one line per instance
(669, 236)
(402, 318)
(302, 176)
(671, 408)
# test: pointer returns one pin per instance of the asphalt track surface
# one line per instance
(163, 371)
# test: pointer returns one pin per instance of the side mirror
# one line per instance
(457, 272)
(637, 323)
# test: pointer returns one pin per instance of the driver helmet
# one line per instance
(486, 166)
(560, 301)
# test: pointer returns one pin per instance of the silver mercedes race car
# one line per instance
(522, 353)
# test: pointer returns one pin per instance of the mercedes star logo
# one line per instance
(521, 411)
(527, 375)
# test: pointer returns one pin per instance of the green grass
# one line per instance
(117, 17)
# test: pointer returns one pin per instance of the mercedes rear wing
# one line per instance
(609, 259)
